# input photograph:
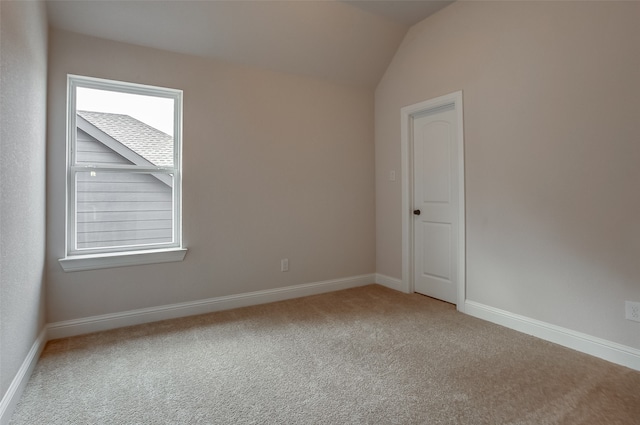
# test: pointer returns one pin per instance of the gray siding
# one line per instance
(89, 150)
(115, 209)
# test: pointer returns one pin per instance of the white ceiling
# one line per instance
(345, 41)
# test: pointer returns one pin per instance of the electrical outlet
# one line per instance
(632, 310)
(284, 265)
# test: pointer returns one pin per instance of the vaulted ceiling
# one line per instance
(345, 41)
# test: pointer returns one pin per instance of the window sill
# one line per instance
(75, 263)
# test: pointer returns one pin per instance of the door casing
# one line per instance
(407, 114)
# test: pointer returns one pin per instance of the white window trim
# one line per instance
(121, 259)
(76, 260)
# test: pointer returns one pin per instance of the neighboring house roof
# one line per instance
(146, 141)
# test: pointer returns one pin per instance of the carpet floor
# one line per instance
(367, 355)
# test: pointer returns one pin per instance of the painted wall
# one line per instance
(23, 88)
(551, 100)
(275, 166)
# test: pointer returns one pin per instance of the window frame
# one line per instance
(93, 258)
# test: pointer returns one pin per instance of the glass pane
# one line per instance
(122, 209)
(124, 128)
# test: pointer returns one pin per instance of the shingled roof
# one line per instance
(148, 142)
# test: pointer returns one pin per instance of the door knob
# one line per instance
(416, 212)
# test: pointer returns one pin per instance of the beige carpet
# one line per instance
(362, 356)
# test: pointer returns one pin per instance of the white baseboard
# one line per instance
(146, 315)
(389, 282)
(607, 350)
(13, 394)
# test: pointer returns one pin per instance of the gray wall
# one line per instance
(23, 88)
(551, 100)
(275, 165)
(116, 209)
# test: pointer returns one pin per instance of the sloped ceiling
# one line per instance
(408, 12)
(345, 41)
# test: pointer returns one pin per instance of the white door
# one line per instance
(435, 199)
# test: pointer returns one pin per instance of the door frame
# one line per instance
(407, 115)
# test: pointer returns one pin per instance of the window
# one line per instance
(123, 174)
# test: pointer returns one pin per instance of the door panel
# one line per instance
(435, 153)
(436, 255)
